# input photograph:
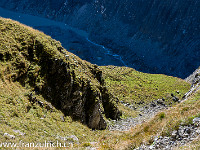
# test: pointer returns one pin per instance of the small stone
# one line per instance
(174, 134)
(74, 138)
(160, 101)
(175, 99)
(41, 103)
(62, 118)
(9, 136)
(67, 57)
(198, 131)
(196, 120)
(151, 147)
(188, 130)
(19, 132)
(153, 104)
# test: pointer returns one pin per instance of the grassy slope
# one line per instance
(38, 124)
(182, 113)
(14, 102)
(128, 85)
(134, 87)
(41, 63)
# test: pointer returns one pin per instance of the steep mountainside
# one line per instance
(72, 85)
(48, 94)
(150, 35)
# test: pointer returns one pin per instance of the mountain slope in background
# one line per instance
(150, 35)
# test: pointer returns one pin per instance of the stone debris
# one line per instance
(147, 112)
(180, 137)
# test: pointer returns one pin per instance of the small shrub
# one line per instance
(14, 113)
(146, 128)
(184, 109)
(162, 115)
(2, 76)
(188, 121)
(86, 145)
(198, 115)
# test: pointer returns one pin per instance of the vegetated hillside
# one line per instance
(154, 133)
(136, 89)
(49, 94)
(72, 85)
(150, 35)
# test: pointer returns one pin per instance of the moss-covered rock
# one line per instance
(40, 63)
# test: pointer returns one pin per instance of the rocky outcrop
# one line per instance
(150, 35)
(72, 85)
(194, 79)
(180, 137)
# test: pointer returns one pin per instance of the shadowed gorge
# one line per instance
(149, 35)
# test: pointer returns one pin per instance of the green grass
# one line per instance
(162, 124)
(132, 86)
(139, 89)
(38, 124)
(41, 124)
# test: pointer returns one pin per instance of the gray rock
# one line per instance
(175, 99)
(19, 132)
(73, 138)
(196, 121)
(198, 131)
(9, 136)
(188, 130)
(62, 118)
(160, 101)
(153, 104)
(174, 134)
(178, 138)
(67, 57)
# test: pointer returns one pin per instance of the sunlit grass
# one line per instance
(40, 124)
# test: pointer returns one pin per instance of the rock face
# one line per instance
(150, 35)
(74, 86)
(194, 79)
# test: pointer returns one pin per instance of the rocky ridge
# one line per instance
(72, 85)
(194, 79)
(123, 26)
